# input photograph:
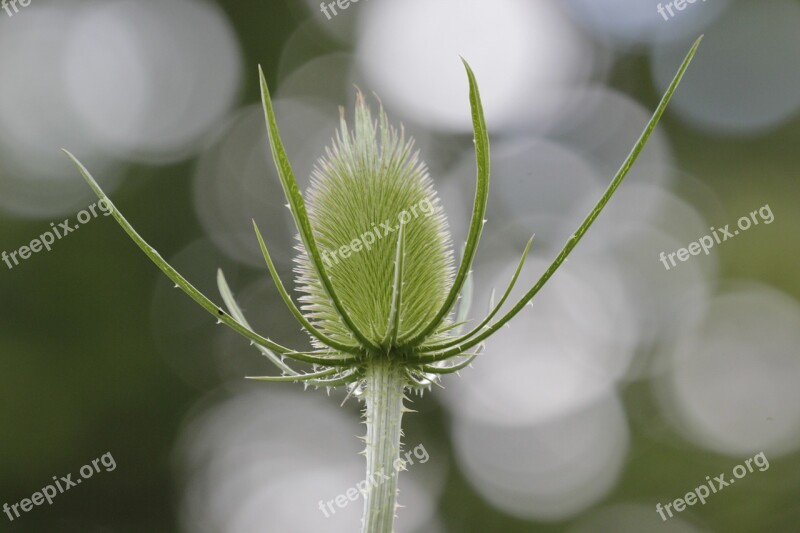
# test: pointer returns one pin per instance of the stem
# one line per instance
(384, 412)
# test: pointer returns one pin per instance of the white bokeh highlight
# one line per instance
(409, 52)
(548, 471)
(268, 456)
(745, 78)
(732, 381)
(150, 78)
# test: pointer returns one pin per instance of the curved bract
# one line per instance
(375, 270)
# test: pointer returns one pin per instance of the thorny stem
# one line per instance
(385, 382)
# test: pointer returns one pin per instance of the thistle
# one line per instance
(384, 313)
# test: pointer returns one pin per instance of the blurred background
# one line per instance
(624, 386)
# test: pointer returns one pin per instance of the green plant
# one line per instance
(381, 321)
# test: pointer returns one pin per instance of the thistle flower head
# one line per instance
(370, 195)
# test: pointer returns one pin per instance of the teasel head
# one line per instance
(383, 238)
(375, 266)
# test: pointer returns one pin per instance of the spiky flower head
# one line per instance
(370, 195)
(375, 265)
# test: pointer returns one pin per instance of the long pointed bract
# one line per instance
(464, 306)
(590, 218)
(321, 337)
(297, 377)
(494, 310)
(348, 377)
(478, 210)
(298, 209)
(236, 312)
(188, 288)
(393, 325)
(430, 369)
